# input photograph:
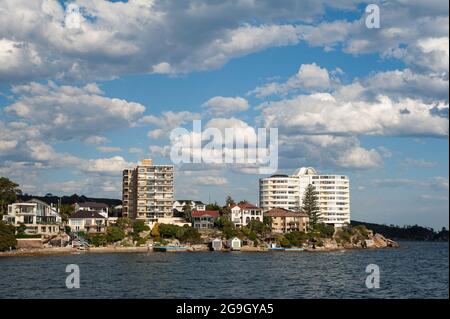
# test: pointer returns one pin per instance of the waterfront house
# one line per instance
(100, 208)
(243, 213)
(235, 243)
(204, 219)
(284, 221)
(38, 217)
(87, 221)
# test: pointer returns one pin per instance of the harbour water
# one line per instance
(415, 270)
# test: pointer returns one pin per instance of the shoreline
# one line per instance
(109, 250)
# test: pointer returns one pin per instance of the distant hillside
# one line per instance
(51, 199)
(406, 233)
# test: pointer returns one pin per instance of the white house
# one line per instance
(87, 221)
(38, 217)
(242, 214)
(100, 208)
(195, 204)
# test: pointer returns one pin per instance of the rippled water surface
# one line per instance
(416, 270)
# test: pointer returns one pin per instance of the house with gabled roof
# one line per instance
(285, 221)
(244, 213)
(100, 208)
(204, 219)
(87, 221)
(179, 204)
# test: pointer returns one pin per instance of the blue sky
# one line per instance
(83, 95)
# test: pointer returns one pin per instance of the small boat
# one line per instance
(294, 249)
(170, 249)
(274, 247)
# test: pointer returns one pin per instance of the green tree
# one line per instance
(170, 231)
(190, 235)
(21, 229)
(310, 205)
(66, 210)
(98, 240)
(258, 227)
(114, 234)
(323, 230)
(296, 238)
(155, 231)
(8, 194)
(7, 238)
(124, 223)
(139, 226)
(229, 201)
(284, 242)
(187, 212)
(214, 206)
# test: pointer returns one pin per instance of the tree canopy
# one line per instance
(7, 237)
(8, 193)
(310, 205)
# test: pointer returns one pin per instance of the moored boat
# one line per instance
(169, 249)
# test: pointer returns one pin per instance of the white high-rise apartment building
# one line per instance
(287, 192)
(148, 192)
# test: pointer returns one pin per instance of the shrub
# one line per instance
(252, 236)
(142, 241)
(114, 234)
(124, 223)
(139, 226)
(21, 229)
(81, 234)
(345, 235)
(7, 238)
(190, 235)
(362, 230)
(22, 236)
(98, 240)
(324, 230)
(170, 231)
(257, 226)
(296, 238)
(284, 242)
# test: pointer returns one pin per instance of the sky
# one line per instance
(88, 88)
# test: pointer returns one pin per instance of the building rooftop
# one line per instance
(85, 214)
(281, 212)
(93, 205)
(246, 206)
(201, 213)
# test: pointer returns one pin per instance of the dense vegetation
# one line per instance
(70, 200)
(9, 192)
(7, 238)
(406, 232)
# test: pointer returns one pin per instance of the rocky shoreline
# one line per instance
(379, 242)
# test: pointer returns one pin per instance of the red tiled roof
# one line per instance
(247, 206)
(200, 213)
(281, 212)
